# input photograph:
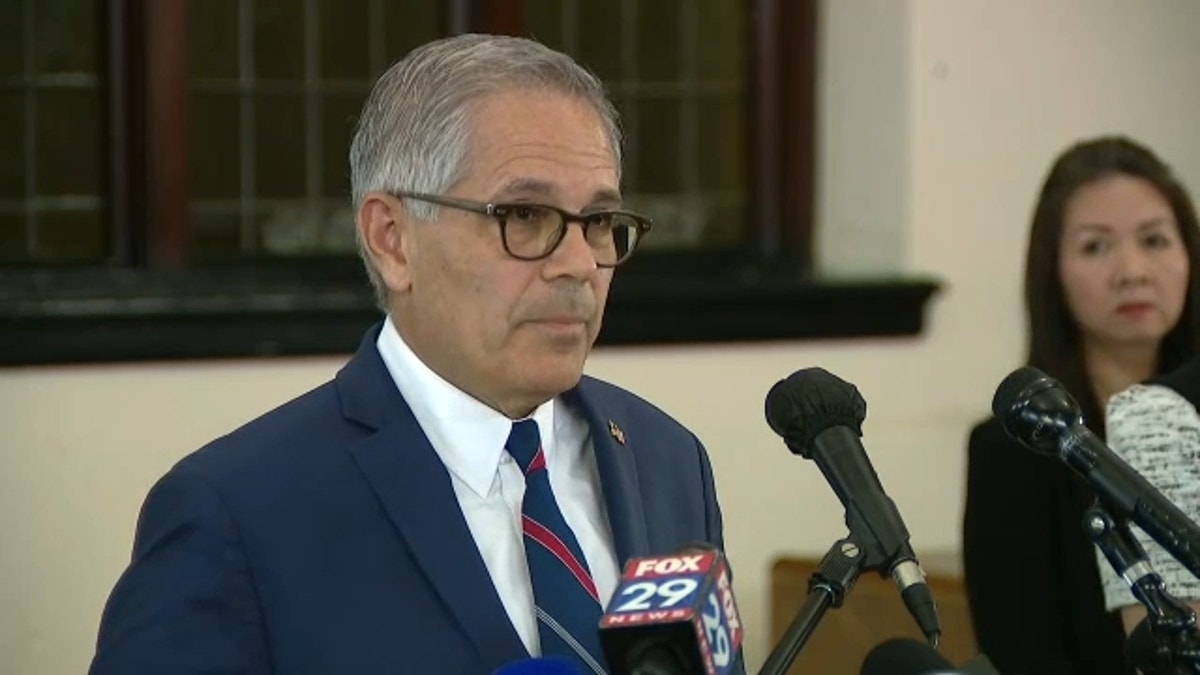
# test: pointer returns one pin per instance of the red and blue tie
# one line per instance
(564, 595)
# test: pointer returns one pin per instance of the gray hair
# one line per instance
(414, 130)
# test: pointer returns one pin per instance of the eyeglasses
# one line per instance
(533, 231)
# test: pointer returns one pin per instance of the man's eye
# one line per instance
(529, 213)
(600, 220)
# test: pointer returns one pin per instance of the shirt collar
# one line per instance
(468, 435)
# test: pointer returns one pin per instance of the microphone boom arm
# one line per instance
(827, 587)
(1172, 622)
(1121, 493)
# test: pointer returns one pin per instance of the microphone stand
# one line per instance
(1172, 622)
(827, 587)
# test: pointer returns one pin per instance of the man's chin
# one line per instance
(555, 377)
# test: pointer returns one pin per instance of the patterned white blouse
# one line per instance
(1156, 431)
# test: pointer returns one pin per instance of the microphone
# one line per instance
(820, 417)
(546, 665)
(673, 615)
(1037, 410)
(1143, 651)
(902, 656)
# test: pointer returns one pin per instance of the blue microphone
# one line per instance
(546, 665)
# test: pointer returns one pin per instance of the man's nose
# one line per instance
(573, 256)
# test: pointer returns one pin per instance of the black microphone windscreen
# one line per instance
(904, 656)
(1036, 409)
(1013, 389)
(810, 401)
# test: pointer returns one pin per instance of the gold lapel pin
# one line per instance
(616, 432)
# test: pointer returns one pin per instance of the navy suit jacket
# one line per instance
(325, 537)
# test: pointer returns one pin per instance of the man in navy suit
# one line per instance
(376, 523)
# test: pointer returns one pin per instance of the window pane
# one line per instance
(12, 237)
(339, 115)
(280, 157)
(50, 198)
(68, 144)
(216, 168)
(720, 40)
(546, 24)
(293, 135)
(725, 224)
(408, 24)
(658, 164)
(69, 236)
(721, 144)
(12, 144)
(214, 39)
(599, 36)
(288, 229)
(12, 38)
(66, 35)
(279, 39)
(659, 40)
(676, 69)
(345, 49)
(216, 233)
(301, 228)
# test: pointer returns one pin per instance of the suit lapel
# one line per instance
(415, 489)
(618, 474)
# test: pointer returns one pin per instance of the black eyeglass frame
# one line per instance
(502, 211)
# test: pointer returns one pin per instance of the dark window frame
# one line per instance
(147, 304)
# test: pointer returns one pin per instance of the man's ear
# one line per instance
(384, 229)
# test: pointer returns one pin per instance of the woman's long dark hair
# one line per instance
(1054, 337)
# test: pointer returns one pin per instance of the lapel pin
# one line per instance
(616, 432)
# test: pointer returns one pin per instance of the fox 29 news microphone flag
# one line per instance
(673, 614)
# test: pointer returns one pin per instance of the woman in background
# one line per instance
(1111, 301)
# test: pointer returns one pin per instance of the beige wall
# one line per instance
(930, 167)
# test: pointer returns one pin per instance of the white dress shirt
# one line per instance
(469, 438)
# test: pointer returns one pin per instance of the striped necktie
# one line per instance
(564, 595)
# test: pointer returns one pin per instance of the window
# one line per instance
(676, 70)
(51, 184)
(276, 86)
(177, 168)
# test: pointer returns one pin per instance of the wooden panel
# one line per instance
(169, 123)
(781, 127)
(872, 613)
